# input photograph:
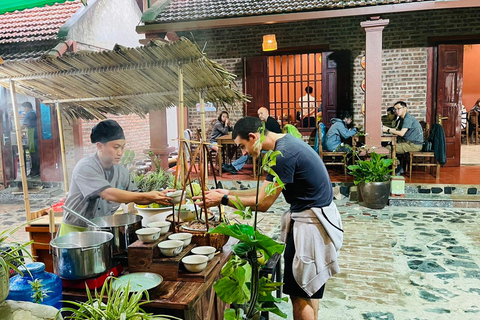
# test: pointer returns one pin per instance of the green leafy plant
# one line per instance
(120, 304)
(375, 169)
(14, 257)
(128, 158)
(241, 284)
(153, 180)
(38, 292)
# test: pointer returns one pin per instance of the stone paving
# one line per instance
(397, 263)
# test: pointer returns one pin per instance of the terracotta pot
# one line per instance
(374, 194)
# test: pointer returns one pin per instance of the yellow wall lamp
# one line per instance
(269, 42)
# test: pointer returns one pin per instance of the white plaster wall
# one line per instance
(106, 23)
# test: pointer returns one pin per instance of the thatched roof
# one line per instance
(123, 80)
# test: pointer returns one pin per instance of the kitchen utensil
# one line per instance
(122, 226)
(138, 281)
(79, 216)
(80, 255)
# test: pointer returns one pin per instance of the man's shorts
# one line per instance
(290, 286)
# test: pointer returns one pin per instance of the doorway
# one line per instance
(470, 154)
(296, 85)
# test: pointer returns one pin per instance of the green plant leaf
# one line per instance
(234, 289)
(241, 249)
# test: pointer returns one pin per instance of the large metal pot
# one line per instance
(80, 255)
(122, 226)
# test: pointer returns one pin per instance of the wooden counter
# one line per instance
(186, 300)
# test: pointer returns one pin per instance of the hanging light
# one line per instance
(269, 42)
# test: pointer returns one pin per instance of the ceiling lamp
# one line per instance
(269, 42)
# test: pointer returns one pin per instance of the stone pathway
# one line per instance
(397, 263)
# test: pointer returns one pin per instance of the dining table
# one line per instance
(389, 138)
(223, 143)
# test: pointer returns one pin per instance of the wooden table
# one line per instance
(384, 138)
(225, 140)
(186, 300)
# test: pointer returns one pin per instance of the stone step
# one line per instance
(436, 200)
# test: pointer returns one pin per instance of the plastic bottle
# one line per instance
(21, 289)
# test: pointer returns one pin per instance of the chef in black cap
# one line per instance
(99, 184)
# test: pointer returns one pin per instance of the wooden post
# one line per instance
(62, 147)
(204, 133)
(18, 133)
(181, 126)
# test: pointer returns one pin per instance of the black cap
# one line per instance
(105, 131)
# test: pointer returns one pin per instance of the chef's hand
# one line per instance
(212, 198)
(160, 197)
(222, 191)
(385, 128)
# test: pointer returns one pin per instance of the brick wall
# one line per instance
(235, 112)
(404, 55)
(137, 134)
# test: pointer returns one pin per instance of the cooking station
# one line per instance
(112, 249)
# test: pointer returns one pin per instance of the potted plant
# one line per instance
(11, 258)
(372, 176)
(119, 304)
(241, 285)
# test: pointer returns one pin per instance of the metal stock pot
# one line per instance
(80, 255)
(122, 226)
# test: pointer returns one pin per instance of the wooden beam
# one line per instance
(18, 132)
(62, 148)
(116, 68)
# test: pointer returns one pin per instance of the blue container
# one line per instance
(21, 290)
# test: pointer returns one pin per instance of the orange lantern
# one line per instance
(269, 42)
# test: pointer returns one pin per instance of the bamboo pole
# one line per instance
(18, 133)
(203, 139)
(62, 148)
(181, 125)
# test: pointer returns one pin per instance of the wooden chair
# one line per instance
(331, 158)
(423, 158)
(464, 133)
(473, 114)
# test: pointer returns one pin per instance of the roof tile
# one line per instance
(187, 10)
(37, 23)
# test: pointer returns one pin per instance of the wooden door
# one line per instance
(49, 143)
(449, 98)
(336, 95)
(6, 128)
(256, 84)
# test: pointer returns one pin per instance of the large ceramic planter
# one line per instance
(4, 287)
(374, 194)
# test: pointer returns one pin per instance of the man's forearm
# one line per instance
(123, 196)
(243, 193)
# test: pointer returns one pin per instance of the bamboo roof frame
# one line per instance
(89, 85)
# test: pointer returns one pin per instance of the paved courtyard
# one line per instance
(397, 263)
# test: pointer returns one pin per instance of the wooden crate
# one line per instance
(146, 257)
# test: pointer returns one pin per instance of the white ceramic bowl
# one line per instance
(148, 235)
(187, 212)
(171, 248)
(163, 225)
(182, 236)
(176, 196)
(207, 251)
(195, 263)
(153, 214)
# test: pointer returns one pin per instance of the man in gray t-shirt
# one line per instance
(409, 129)
(99, 183)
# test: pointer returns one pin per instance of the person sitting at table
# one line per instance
(221, 128)
(390, 119)
(339, 130)
(270, 124)
(471, 121)
(409, 130)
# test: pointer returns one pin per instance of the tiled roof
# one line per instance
(27, 50)
(186, 10)
(36, 24)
